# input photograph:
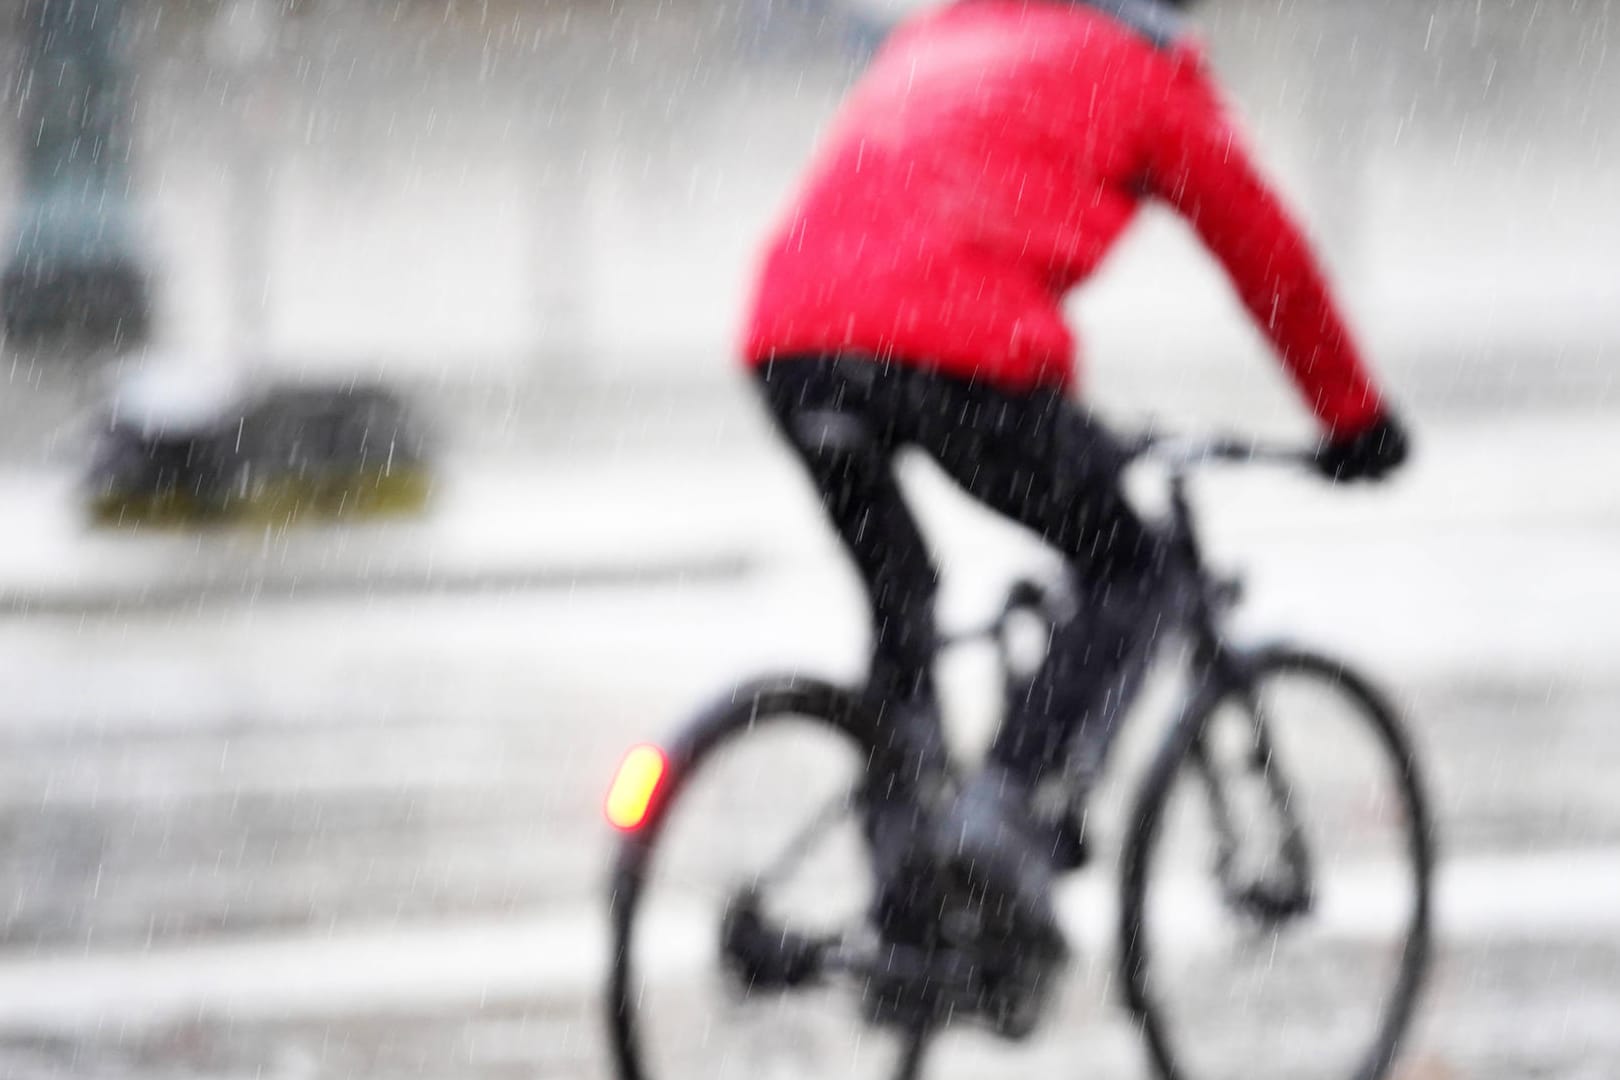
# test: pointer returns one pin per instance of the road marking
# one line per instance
(1552, 896)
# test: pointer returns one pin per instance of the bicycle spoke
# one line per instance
(1219, 812)
(1293, 895)
(804, 841)
(1284, 792)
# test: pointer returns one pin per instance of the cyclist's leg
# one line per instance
(826, 417)
(824, 411)
(1044, 462)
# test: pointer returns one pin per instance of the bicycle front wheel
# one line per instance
(1275, 895)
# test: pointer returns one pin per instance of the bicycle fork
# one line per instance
(1282, 888)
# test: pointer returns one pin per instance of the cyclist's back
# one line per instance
(986, 164)
(978, 171)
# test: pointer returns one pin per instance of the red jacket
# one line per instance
(985, 165)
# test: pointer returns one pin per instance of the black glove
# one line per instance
(1367, 455)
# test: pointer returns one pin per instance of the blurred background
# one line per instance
(317, 795)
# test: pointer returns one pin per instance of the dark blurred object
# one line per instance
(108, 303)
(173, 453)
(326, 452)
(1369, 454)
(74, 268)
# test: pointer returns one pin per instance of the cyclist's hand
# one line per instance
(1369, 454)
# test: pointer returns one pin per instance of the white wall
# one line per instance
(528, 191)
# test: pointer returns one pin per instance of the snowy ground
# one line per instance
(325, 804)
(295, 806)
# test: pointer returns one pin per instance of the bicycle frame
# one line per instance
(1214, 594)
(1219, 670)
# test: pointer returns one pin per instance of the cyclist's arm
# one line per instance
(1197, 162)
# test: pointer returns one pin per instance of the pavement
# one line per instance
(323, 803)
(489, 525)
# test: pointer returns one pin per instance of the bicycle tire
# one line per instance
(741, 712)
(1154, 793)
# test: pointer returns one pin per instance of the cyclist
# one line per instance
(982, 168)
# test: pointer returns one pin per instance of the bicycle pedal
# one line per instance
(912, 987)
(981, 919)
(1016, 1015)
(1070, 848)
(1060, 813)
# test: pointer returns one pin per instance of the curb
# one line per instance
(488, 528)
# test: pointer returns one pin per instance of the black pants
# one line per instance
(1036, 458)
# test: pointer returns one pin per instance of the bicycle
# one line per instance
(1231, 782)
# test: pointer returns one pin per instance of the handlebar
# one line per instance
(1182, 452)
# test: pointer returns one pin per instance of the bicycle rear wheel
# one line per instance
(749, 846)
(1301, 953)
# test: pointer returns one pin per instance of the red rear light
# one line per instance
(635, 785)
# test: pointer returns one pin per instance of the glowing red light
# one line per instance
(634, 787)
